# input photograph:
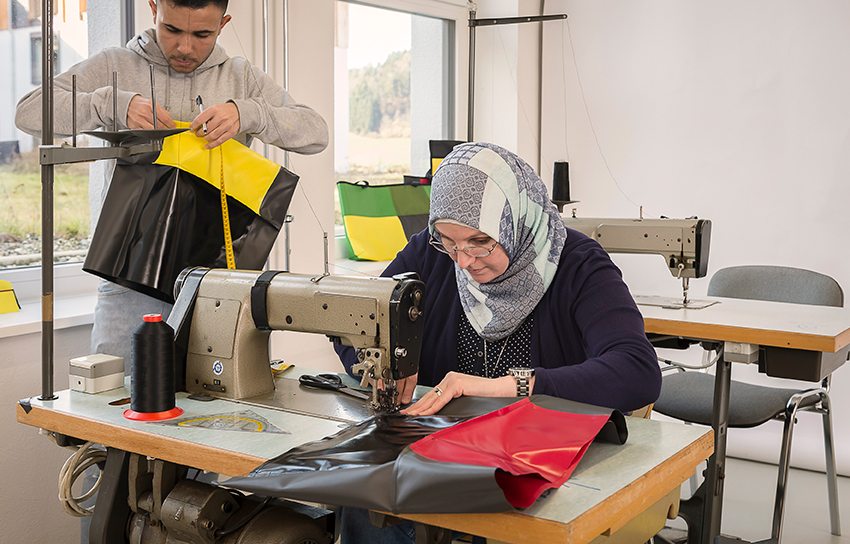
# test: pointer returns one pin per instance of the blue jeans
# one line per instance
(357, 528)
(118, 311)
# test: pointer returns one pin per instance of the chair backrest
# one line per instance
(776, 284)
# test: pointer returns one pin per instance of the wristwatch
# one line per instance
(523, 380)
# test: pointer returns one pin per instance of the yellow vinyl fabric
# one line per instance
(248, 174)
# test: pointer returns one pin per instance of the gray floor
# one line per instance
(748, 504)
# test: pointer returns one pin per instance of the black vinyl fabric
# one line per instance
(370, 464)
(158, 220)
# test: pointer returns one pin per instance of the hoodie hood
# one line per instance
(146, 46)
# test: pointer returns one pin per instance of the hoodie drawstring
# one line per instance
(192, 94)
(167, 87)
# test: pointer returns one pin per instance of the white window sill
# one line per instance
(67, 312)
(75, 294)
(346, 267)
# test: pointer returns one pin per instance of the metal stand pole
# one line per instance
(286, 257)
(475, 23)
(470, 113)
(266, 54)
(47, 203)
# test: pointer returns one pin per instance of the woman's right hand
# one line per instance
(406, 387)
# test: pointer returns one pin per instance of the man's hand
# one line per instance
(139, 115)
(455, 385)
(222, 124)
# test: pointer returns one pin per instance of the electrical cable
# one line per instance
(706, 363)
(516, 88)
(537, 138)
(222, 533)
(278, 131)
(589, 120)
(87, 455)
(564, 86)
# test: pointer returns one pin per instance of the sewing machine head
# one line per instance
(224, 319)
(683, 243)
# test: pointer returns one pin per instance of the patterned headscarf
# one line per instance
(488, 188)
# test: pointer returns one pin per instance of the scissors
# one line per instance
(331, 382)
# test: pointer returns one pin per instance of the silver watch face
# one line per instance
(522, 372)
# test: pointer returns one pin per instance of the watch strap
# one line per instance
(523, 386)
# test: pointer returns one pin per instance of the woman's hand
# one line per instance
(456, 384)
(406, 387)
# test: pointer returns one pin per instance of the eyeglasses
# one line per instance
(477, 252)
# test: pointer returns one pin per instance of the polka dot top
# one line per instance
(501, 355)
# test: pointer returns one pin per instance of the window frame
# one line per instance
(457, 12)
(453, 10)
(69, 279)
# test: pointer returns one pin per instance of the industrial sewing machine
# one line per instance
(683, 243)
(223, 319)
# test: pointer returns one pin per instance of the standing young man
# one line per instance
(240, 101)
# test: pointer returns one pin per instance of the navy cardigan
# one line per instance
(587, 341)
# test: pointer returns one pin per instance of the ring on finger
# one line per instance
(438, 391)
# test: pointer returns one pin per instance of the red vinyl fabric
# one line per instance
(519, 440)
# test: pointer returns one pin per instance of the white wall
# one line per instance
(732, 111)
(30, 510)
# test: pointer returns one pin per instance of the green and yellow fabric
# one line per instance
(439, 149)
(380, 219)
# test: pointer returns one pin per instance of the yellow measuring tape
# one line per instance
(225, 215)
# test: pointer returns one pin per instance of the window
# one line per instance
(23, 17)
(35, 57)
(393, 92)
(20, 69)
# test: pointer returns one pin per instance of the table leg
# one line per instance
(111, 510)
(703, 511)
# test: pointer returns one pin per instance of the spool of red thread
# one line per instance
(152, 371)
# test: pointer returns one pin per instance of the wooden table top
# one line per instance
(798, 326)
(611, 485)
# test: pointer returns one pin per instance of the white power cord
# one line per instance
(87, 455)
(706, 363)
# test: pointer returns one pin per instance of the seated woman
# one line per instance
(507, 288)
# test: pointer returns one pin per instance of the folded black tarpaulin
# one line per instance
(453, 462)
(163, 213)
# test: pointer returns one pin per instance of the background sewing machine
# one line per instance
(223, 319)
(683, 243)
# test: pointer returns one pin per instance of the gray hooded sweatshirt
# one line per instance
(266, 110)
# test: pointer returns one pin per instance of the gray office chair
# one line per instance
(689, 396)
